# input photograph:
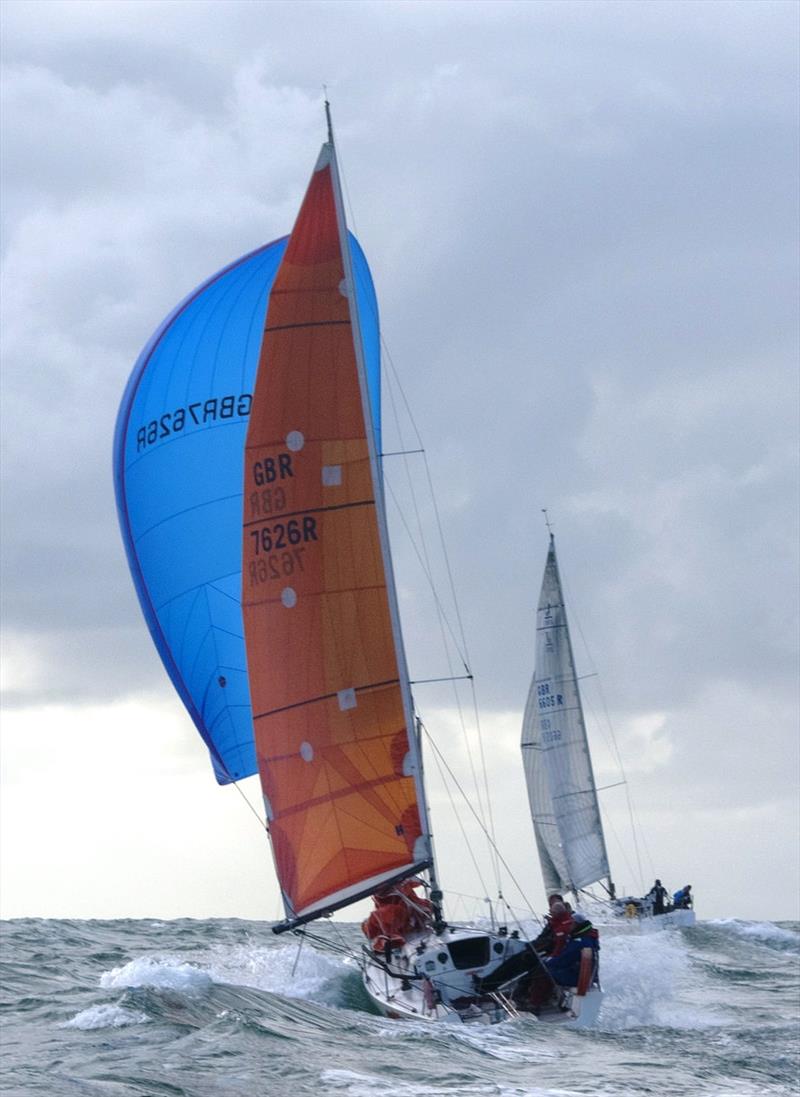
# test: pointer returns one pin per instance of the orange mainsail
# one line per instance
(332, 711)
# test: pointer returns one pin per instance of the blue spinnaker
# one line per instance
(178, 470)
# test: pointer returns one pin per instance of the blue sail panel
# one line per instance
(178, 472)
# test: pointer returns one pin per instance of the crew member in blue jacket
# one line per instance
(683, 899)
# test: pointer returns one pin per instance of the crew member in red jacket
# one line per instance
(399, 911)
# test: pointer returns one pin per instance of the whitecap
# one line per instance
(645, 980)
(762, 931)
(152, 972)
(277, 970)
(106, 1016)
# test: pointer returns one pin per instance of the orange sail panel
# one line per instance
(335, 756)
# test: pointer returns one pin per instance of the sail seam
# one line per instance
(309, 510)
(306, 324)
(331, 796)
(353, 743)
(325, 697)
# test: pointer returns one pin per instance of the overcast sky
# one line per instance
(581, 220)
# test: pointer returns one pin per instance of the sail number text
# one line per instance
(281, 535)
(270, 469)
(198, 414)
(546, 698)
(279, 548)
(276, 565)
(268, 500)
(549, 733)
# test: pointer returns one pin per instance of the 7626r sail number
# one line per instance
(279, 535)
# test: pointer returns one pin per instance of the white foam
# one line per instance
(106, 1016)
(155, 972)
(763, 931)
(278, 970)
(646, 980)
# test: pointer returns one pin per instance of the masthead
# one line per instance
(328, 116)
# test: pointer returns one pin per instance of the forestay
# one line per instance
(331, 703)
(558, 768)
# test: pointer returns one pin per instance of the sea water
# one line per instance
(204, 1008)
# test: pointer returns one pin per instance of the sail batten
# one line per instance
(330, 695)
(558, 769)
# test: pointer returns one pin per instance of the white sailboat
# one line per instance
(558, 770)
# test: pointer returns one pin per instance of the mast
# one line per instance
(412, 723)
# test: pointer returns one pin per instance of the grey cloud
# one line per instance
(582, 224)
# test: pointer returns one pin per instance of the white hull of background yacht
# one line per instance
(673, 919)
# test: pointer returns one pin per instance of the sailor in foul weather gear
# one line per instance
(398, 912)
(564, 962)
(683, 899)
(656, 895)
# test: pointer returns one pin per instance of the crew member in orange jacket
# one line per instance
(398, 912)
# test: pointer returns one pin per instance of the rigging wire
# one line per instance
(461, 642)
(392, 374)
(424, 558)
(611, 739)
(505, 864)
(444, 624)
(262, 823)
(455, 811)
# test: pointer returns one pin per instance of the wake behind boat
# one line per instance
(252, 508)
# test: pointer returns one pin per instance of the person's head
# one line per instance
(658, 883)
(557, 908)
(688, 887)
(554, 898)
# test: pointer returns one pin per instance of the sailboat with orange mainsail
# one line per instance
(335, 733)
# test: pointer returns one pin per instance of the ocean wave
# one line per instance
(356, 1084)
(288, 970)
(105, 1016)
(147, 971)
(645, 979)
(700, 1013)
(768, 932)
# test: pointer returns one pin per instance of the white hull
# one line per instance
(652, 923)
(434, 978)
(673, 919)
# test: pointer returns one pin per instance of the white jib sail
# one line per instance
(555, 751)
